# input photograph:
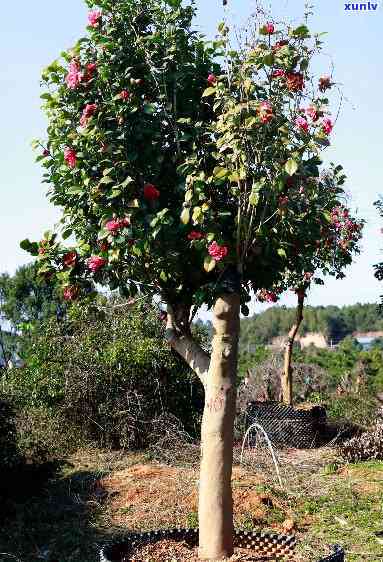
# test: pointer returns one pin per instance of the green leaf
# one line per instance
(268, 60)
(282, 253)
(302, 32)
(291, 167)
(106, 180)
(75, 190)
(220, 172)
(185, 216)
(209, 264)
(209, 92)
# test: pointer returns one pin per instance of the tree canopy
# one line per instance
(173, 169)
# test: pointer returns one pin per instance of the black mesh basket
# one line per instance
(287, 426)
(273, 546)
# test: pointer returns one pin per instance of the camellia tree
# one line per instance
(192, 179)
(339, 246)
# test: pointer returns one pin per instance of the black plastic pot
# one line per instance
(264, 544)
(287, 426)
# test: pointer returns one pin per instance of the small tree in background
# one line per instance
(192, 180)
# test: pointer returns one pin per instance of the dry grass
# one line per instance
(97, 494)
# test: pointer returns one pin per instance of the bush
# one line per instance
(9, 452)
(368, 446)
(106, 377)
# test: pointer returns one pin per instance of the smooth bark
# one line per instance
(179, 338)
(287, 376)
(215, 493)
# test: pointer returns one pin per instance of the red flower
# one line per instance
(151, 193)
(195, 235)
(295, 81)
(71, 292)
(124, 95)
(325, 83)
(90, 69)
(265, 112)
(46, 152)
(218, 252)
(312, 112)
(95, 263)
(88, 112)
(267, 296)
(283, 201)
(279, 45)
(327, 126)
(269, 27)
(104, 245)
(69, 260)
(212, 79)
(70, 157)
(113, 226)
(278, 73)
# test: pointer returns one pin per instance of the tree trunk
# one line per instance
(215, 493)
(287, 376)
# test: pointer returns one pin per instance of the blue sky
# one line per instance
(34, 33)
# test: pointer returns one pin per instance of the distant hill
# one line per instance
(333, 322)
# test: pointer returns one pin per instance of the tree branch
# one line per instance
(187, 348)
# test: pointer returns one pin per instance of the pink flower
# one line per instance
(302, 124)
(113, 226)
(89, 110)
(95, 263)
(308, 276)
(94, 18)
(312, 112)
(278, 73)
(74, 76)
(70, 157)
(283, 201)
(71, 292)
(151, 193)
(195, 235)
(269, 27)
(211, 79)
(218, 252)
(124, 95)
(265, 112)
(327, 126)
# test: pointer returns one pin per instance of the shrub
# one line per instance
(105, 376)
(9, 453)
(368, 446)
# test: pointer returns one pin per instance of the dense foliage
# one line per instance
(26, 298)
(171, 169)
(333, 322)
(107, 376)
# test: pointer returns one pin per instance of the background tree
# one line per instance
(194, 181)
(27, 298)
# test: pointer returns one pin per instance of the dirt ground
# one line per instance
(95, 496)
